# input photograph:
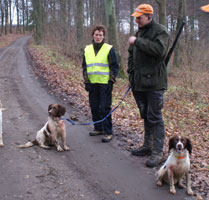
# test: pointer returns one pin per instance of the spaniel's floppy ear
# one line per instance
(171, 143)
(61, 110)
(50, 106)
(189, 145)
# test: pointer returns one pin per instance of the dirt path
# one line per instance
(90, 171)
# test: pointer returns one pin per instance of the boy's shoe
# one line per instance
(142, 151)
(107, 138)
(95, 133)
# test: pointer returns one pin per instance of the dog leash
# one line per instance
(96, 122)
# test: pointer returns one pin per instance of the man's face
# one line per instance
(142, 20)
(98, 36)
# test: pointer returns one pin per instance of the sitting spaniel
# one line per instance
(51, 132)
(177, 164)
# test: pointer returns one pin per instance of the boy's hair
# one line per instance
(99, 28)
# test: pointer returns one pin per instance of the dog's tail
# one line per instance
(28, 144)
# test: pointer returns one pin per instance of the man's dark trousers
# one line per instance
(100, 99)
(150, 104)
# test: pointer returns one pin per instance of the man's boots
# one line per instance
(142, 151)
(154, 160)
(146, 148)
(158, 140)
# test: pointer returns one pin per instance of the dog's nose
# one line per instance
(179, 146)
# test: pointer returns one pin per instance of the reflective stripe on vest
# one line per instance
(97, 66)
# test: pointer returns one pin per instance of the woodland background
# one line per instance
(62, 28)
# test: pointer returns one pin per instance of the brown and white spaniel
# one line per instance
(53, 130)
(177, 165)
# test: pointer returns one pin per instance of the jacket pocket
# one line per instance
(149, 80)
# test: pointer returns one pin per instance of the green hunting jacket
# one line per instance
(146, 68)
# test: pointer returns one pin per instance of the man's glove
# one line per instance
(87, 87)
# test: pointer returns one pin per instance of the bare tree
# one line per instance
(181, 17)
(162, 11)
(2, 17)
(27, 14)
(18, 16)
(112, 30)
(79, 24)
(69, 3)
(10, 16)
(38, 20)
(6, 15)
(131, 18)
(23, 16)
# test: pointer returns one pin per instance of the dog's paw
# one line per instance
(1, 142)
(66, 148)
(180, 186)
(172, 191)
(59, 148)
(45, 147)
(190, 192)
(159, 183)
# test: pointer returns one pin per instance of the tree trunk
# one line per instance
(69, 13)
(18, 19)
(38, 12)
(131, 18)
(91, 5)
(79, 24)
(6, 16)
(2, 19)
(112, 31)
(100, 12)
(10, 16)
(181, 17)
(162, 11)
(27, 14)
(23, 16)
(63, 25)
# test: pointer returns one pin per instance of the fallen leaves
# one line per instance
(117, 192)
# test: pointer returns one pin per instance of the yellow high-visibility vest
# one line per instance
(97, 66)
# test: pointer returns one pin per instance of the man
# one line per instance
(148, 79)
(100, 68)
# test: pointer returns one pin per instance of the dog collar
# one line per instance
(180, 157)
(62, 122)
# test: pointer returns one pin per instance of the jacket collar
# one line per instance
(147, 26)
(97, 46)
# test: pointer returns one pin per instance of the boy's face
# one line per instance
(98, 36)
